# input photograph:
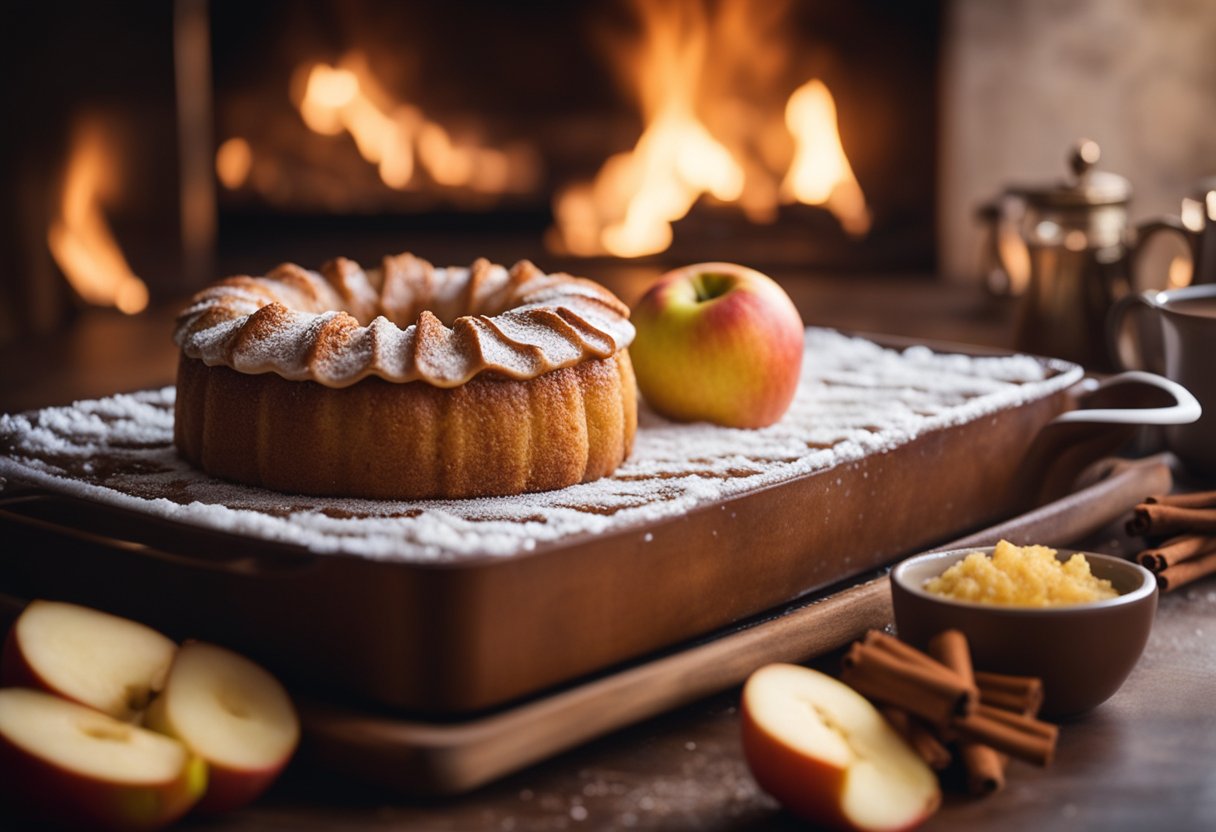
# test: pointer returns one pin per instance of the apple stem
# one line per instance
(708, 286)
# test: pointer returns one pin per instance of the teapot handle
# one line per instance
(1007, 251)
(1148, 229)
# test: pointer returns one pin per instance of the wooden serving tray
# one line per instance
(438, 758)
(432, 758)
(445, 637)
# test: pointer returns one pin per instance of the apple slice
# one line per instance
(109, 663)
(234, 715)
(827, 755)
(70, 765)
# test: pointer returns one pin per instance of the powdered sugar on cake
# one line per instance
(343, 324)
(855, 399)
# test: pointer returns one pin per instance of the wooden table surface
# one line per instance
(1144, 760)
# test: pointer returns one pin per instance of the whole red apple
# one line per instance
(718, 342)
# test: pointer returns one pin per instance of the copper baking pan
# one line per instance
(454, 638)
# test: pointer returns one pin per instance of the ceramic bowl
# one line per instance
(1082, 652)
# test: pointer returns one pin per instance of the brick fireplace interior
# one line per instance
(154, 147)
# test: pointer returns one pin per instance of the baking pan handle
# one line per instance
(108, 527)
(1108, 414)
(244, 565)
(1183, 411)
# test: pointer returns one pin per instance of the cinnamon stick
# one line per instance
(1022, 694)
(1015, 739)
(928, 747)
(1155, 519)
(1021, 722)
(899, 649)
(924, 689)
(1188, 571)
(1198, 499)
(1028, 703)
(1006, 682)
(1176, 550)
(950, 648)
(984, 766)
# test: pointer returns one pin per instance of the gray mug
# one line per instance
(1185, 353)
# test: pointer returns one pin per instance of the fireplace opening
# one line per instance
(790, 134)
(189, 140)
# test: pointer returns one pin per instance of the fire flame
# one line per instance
(683, 70)
(399, 139)
(820, 173)
(80, 239)
(233, 162)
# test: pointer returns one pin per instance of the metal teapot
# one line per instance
(1068, 249)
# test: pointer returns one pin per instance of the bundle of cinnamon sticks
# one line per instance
(937, 700)
(1186, 527)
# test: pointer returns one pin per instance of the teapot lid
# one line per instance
(1086, 187)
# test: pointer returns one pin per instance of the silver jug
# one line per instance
(1068, 250)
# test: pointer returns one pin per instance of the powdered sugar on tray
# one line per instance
(855, 398)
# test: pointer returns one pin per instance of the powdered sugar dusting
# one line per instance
(855, 398)
(294, 323)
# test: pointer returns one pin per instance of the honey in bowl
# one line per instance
(1021, 576)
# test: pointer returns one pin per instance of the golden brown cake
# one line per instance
(407, 381)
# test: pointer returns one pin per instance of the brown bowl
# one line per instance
(1082, 652)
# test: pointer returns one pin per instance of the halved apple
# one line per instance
(70, 765)
(233, 714)
(109, 663)
(827, 755)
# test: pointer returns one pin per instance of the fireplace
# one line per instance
(185, 140)
(671, 130)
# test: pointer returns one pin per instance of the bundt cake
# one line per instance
(407, 381)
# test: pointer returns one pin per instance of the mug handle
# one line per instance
(1186, 407)
(1116, 326)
